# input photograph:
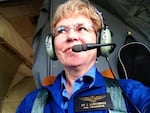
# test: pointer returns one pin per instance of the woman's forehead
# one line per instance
(74, 19)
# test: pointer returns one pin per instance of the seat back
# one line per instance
(134, 62)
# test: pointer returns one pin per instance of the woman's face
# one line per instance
(76, 29)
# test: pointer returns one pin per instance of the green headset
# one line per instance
(103, 37)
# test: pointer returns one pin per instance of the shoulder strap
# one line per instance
(116, 96)
(40, 101)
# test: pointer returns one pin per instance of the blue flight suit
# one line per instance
(139, 94)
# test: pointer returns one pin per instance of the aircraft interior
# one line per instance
(24, 63)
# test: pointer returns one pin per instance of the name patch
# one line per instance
(93, 102)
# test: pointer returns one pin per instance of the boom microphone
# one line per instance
(85, 47)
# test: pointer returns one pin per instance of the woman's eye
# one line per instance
(82, 28)
(60, 30)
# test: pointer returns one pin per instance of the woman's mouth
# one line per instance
(67, 49)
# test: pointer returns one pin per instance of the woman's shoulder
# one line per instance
(27, 102)
(130, 82)
(130, 85)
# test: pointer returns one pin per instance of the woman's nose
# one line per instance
(72, 35)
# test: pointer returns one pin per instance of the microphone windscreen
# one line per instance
(79, 48)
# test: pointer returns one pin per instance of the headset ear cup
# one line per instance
(105, 38)
(49, 42)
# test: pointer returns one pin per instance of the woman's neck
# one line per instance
(73, 73)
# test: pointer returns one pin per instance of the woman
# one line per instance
(80, 87)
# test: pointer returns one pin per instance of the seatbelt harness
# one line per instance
(117, 98)
(40, 101)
